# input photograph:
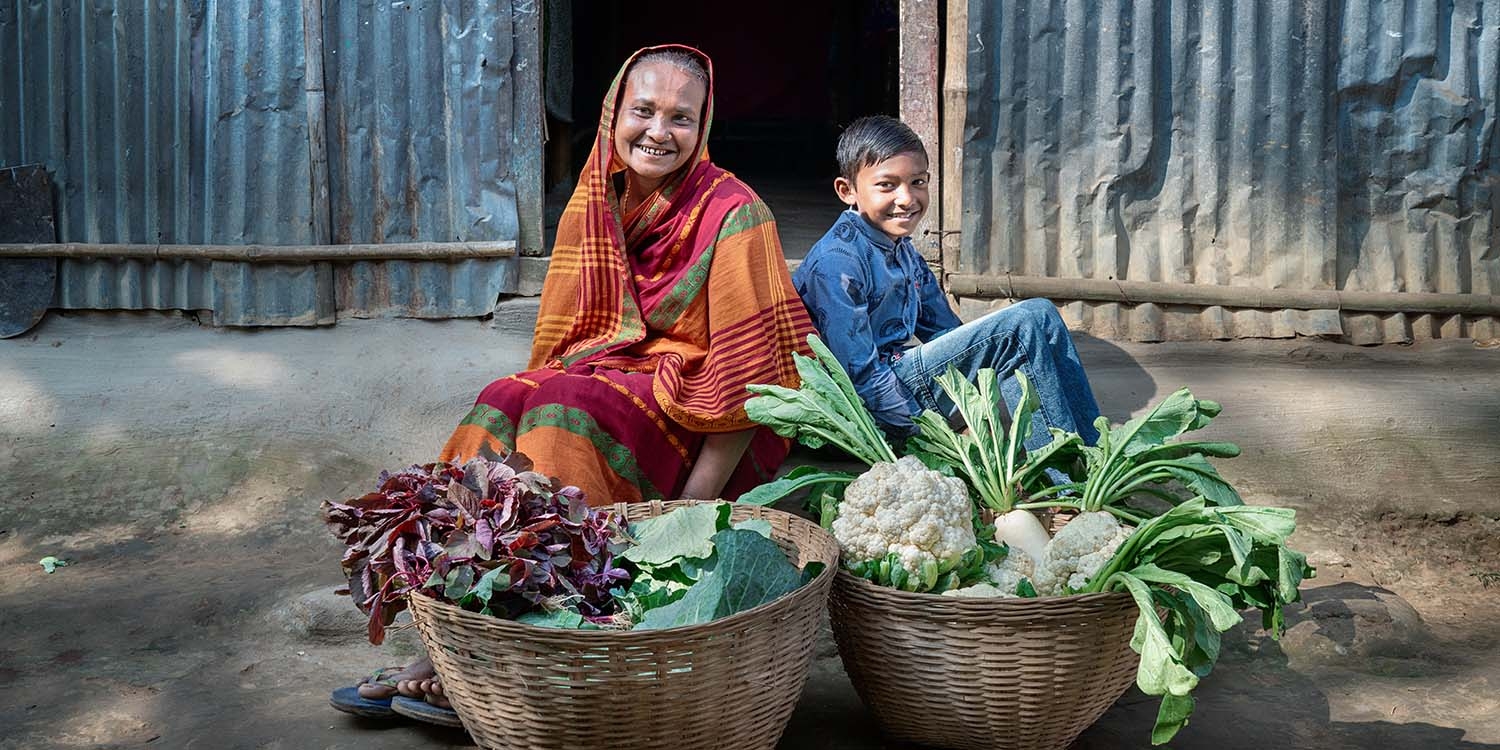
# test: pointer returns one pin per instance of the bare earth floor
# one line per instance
(178, 469)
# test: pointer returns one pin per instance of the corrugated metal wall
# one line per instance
(418, 115)
(186, 122)
(1260, 143)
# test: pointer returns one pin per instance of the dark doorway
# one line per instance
(789, 75)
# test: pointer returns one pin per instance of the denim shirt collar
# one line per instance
(879, 238)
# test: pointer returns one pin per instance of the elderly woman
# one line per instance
(667, 294)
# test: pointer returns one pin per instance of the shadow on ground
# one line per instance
(179, 469)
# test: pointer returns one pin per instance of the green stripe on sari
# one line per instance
(577, 421)
(748, 216)
(493, 421)
(671, 306)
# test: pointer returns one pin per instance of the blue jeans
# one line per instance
(1029, 336)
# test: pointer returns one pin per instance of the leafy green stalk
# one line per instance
(934, 577)
(824, 410)
(1201, 565)
(800, 478)
(1136, 457)
(990, 458)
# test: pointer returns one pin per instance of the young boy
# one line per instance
(869, 292)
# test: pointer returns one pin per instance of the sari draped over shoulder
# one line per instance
(649, 330)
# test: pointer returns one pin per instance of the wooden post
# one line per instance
(317, 123)
(529, 122)
(954, 115)
(918, 92)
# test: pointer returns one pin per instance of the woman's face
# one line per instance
(656, 129)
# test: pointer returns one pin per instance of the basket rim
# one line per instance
(523, 630)
(975, 603)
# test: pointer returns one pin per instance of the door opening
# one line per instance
(784, 91)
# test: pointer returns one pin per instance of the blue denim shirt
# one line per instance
(868, 295)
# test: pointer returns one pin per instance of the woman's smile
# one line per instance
(650, 151)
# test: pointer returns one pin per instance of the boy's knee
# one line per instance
(1039, 314)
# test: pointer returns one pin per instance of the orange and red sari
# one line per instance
(649, 330)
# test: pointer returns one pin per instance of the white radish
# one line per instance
(1021, 529)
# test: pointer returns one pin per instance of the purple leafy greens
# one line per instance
(490, 536)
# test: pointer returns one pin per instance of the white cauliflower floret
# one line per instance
(1078, 552)
(907, 509)
(1008, 572)
(1002, 578)
(977, 591)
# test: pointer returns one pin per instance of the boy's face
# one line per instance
(891, 195)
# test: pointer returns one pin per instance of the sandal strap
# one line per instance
(383, 676)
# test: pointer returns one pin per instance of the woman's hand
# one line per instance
(716, 461)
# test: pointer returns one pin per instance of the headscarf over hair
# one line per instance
(695, 290)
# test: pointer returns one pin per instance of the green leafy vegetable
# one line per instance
(558, 618)
(693, 563)
(758, 525)
(990, 458)
(802, 477)
(1201, 564)
(824, 410)
(1135, 458)
(746, 570)
(683, 533)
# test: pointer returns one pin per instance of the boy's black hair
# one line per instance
(871, 140)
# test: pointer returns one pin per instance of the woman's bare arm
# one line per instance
(721, 453)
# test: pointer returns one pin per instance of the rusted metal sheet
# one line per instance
(272, 294)
(528, 125)
(1273, 144)
(125, 284)
(187, 122)
(290, 294)
(26, 284)
(420, 100)
(160, 121)
(422, 289)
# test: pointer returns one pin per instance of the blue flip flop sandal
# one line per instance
(348, 699)
(416, 708)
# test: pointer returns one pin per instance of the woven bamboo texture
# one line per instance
(729, 684)
(983, 674)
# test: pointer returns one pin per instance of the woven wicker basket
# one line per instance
(731, 683)
(989, 674)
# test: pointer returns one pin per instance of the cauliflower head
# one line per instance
(906, 509)
(1078, 552)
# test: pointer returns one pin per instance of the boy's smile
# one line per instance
(891, 195)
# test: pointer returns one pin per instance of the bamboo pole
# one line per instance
(268, 253)
(1165, 293)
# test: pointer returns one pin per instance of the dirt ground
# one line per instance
(178, 470)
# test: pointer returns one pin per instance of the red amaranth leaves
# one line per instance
(490, 536)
